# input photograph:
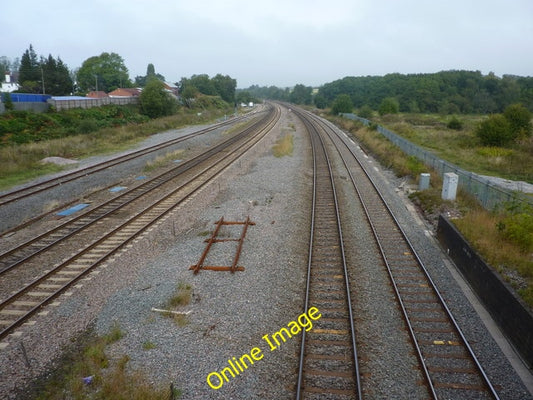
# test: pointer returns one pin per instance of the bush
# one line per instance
(495, 131)
(454, 124)
(88, 126)
(518, 228)
(155, 102)
(366, 112)
(342, 104)
(389, 105)
(519, 119)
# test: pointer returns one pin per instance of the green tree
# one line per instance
(495, 131)
(188, 94)
(320, 101)
(519, 118)
(201, 82)
(105, 72)
(342, 104)
(389, 105)
(4, 67)
(8, 103)
(150, 73)
(301, 94)
(155, 101)
(57, 80)
(225, 87)
(30, 74)
(244, 96)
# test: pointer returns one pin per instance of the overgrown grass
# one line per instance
(89, 374)
(489, 234)
(462, 147)
(284, 146)
(163, 160)
(20, 163)
(504, 238)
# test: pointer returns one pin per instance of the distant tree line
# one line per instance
(448, 92)
(219, 85)
(299, 94)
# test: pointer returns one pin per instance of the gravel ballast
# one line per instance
(230, 313)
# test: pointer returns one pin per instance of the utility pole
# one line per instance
(42, 78)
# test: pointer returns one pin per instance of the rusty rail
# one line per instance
(213, 239)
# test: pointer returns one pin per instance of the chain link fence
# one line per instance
(488, 193)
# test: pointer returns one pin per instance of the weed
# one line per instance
(163, 160)
(181, 297)
(108, 379)
(284, 146)
(114, 335)
(148, 345)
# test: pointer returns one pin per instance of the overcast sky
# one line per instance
(278, 42)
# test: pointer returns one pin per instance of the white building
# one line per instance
(8, 86)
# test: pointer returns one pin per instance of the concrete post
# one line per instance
(449, 186)
(423, 183)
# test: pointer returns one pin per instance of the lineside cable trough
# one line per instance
(213, 239)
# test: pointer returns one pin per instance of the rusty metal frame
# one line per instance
(213, 239)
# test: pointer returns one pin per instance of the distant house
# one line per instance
(125, 92)
(97, 95)
(171, 88)
(9, 85)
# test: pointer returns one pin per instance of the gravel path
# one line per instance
(229, 313)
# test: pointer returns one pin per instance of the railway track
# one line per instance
(31, 190)
(29, 299)
(45, 241)
(446, 360)
(328, 367)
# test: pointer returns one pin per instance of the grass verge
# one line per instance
(462, 147)
(20, 163)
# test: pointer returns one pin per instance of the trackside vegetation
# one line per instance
(26, 138)
(88, 372)
(503, 236)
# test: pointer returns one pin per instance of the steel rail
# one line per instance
(18, 194)
(226, 161)
(490, 388)
(316, 137)
(109, 207)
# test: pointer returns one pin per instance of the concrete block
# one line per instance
(449, 186)
(423, 182)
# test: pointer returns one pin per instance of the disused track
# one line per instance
(20, 306)
(31, 190)
(446, 360)
(328, 367)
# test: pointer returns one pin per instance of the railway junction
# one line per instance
(258, 238)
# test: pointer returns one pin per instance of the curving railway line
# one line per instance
(133, 219)
(30, 190)
(445, 359)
